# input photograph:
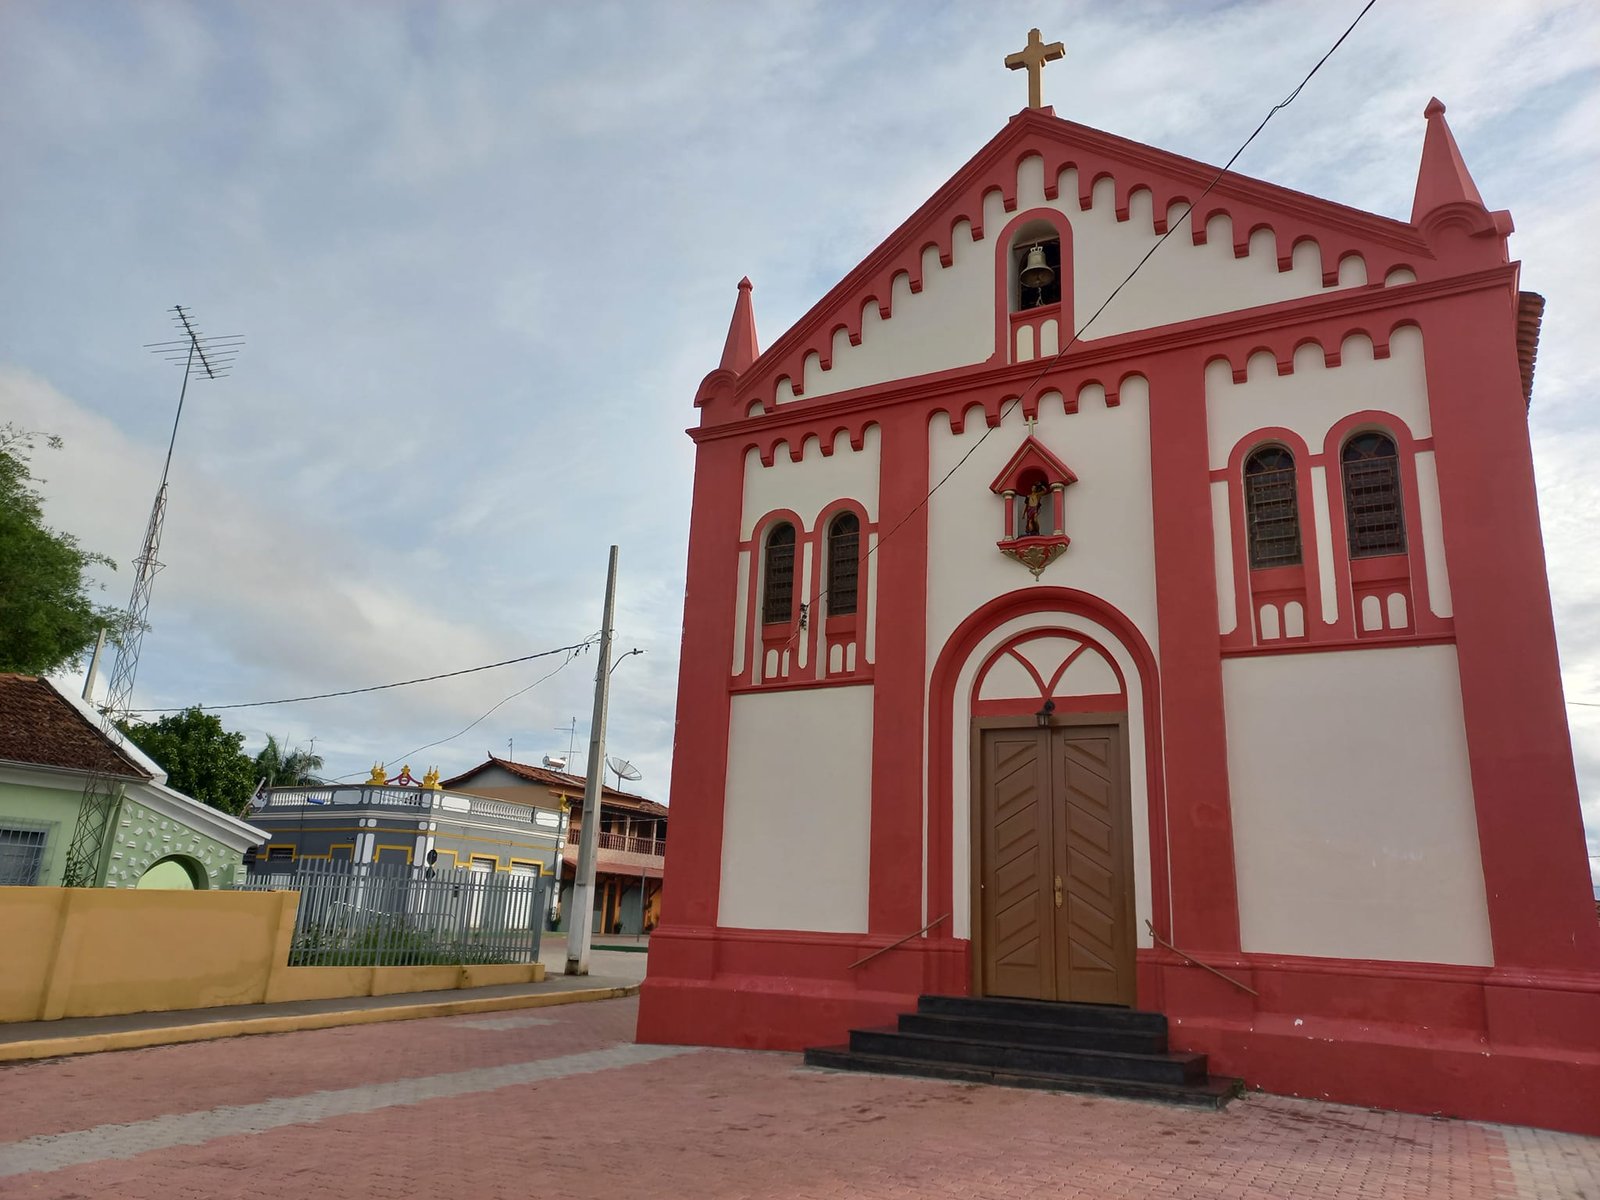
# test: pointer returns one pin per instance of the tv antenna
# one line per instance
(624, 769)
(201, 356)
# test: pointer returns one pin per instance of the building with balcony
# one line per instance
(632, 844)
(404, 822)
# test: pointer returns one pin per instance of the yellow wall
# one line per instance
(89, 952)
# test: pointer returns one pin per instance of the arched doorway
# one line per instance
(1093, 762)
(173, 874)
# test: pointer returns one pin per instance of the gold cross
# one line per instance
(1033, 57)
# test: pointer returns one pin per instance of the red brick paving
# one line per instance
(724, 1124)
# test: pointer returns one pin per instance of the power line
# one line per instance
(576, 646)
(574, 651)
(1049, 363)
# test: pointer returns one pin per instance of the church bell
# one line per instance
(1036, 273)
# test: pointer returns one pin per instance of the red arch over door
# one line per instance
(941, 731)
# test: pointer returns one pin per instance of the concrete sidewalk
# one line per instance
(26, 1040)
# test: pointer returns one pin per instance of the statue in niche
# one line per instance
(1032, 505)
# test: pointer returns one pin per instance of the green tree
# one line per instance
(200, 757)
(47, 619)
(294, 768)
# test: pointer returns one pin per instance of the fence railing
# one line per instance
(622, 841)
(393, 915)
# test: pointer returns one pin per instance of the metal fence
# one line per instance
(393, 915)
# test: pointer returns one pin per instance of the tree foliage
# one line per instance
(291, 768)
(200, 757)
(47, 619)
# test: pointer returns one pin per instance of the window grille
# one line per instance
(777, 604)
(280, 854)
(1372, 504)
(1272, 513)
(22, 854)
(844, 563)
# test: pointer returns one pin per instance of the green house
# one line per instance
(50, 745)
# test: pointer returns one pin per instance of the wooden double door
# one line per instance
(1054, 863)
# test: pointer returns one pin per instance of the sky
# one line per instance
(482, 254)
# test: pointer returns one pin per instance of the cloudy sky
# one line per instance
(483, 253)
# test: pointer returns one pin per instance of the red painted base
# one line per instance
(1465, 1042)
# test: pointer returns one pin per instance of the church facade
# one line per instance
(1191, 651)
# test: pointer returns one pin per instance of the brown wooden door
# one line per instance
(1056, 865)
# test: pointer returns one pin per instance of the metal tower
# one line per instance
(200, 357)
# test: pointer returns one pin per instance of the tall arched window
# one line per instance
(844, 563)
(777, 604)
(1373, 508)
(1272, 512)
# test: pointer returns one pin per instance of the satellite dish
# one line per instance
(623, 768)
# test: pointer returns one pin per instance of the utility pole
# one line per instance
(581, 919)
(94, 666)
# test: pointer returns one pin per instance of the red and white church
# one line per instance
(1057, 667)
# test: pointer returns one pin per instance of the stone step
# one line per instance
(1035, 1059)
(1208, 1092)
(1043, 1012)
(1028, 1033)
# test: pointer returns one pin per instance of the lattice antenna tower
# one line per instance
(201, 357)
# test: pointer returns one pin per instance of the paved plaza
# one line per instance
(560, 1102)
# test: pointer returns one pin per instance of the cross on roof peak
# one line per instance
(1032, 58)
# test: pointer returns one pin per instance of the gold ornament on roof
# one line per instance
(380, 777)
(431, 779)
(1032, 59)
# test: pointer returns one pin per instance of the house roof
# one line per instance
(559, 781)
(41, 727)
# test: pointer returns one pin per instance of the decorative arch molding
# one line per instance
(1009, 323)
(966, 653)
(1290, 340)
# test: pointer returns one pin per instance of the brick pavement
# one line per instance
(488, 1107)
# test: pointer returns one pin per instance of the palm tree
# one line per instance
(296, 768)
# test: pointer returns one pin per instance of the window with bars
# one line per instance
(22, 847)
(1374, 513)
(777, 592)
(1272, 512)
(844, 563)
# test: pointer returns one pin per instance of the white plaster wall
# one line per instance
(813, 482)
(1313, 397)
(1222, 551)
(798, 816)
(1354, 829)
(1433, 534)
(1181, 281)
(1108, 512)
(961, 773)
(950, 323)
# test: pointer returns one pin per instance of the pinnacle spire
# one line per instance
(1443, 177)
(741, 348)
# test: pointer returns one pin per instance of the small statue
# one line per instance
(1031, 507)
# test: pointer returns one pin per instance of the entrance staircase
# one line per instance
(1090, 1048)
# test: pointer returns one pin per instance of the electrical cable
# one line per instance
(576, 646)
(576, 650)
(1050, 362)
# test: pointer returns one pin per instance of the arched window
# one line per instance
(777, 604)
(1272, 512)
(844, 563)
(1372, 503)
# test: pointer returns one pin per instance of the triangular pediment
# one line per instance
(1090, 162)
(1032, 455)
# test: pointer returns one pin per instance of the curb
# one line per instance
(171, 1035)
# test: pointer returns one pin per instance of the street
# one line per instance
(560, 1102)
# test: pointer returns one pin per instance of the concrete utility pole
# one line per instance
(580, 921)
